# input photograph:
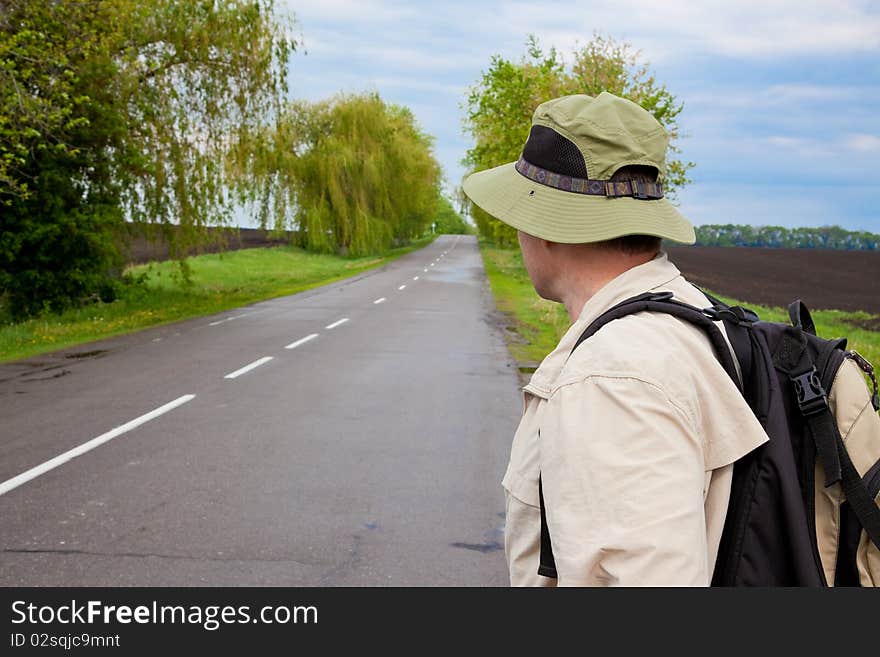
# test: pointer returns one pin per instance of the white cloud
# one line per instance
(786, 142)
(755, 110)
(791, 93)
(416, 59)
(357, 49)
(864, 143)
(662, 30)
(422, 84)
(706, 203)
(745, 28)
(352, 11)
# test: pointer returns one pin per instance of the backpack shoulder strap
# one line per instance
(663, 302)
(812, 400)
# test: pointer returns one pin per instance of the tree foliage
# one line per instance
(112, 110)
(499, 107)
(823, 237)
(449, 222)
(57, 198)
(352, 175)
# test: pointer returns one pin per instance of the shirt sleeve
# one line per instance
(623, 477)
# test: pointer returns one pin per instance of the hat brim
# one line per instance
(568, 217)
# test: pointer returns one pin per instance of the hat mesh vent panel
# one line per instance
(549, 150)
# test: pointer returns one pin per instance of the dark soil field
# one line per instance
(822, 278)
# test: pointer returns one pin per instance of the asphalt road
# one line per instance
(370, 454)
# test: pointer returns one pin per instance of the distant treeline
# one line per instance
(823, 237)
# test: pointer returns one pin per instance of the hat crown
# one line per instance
(610, 132)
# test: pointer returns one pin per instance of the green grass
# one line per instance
(829, 324)
(219, 282)
(534, 326)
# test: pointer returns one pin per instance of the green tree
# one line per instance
(352, 175)
(499, 107)
(57, 202)
(823, 237)
(112, 110)
(449, 222)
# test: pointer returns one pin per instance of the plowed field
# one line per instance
(822, 278)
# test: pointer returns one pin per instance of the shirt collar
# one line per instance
(650, 275)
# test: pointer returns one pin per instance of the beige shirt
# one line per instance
(634, 437)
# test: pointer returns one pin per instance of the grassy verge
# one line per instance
(534, 325)
(219, 282)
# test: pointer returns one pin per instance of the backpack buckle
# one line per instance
(736, 314)
(650, 296)
(746, 315)
(711, 312)
(811, 397)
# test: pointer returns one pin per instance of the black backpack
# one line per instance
(769, 536)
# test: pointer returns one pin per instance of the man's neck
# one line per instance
(583, 282)
(579, 292)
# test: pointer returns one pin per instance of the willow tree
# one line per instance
(500, 105)
(112, 110)
(351, 175)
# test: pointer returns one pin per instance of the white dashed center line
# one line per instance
(401, 287)
(294, 345)
(379, 300)
(248, 368)
(426, 269)
(338, 322)
(61, 459)
(415, 278)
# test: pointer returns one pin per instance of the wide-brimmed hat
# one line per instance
(560, 188)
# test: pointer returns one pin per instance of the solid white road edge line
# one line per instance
(248, 368)
(229, 319)
(336, 323)
(61, 459)
(294, 345)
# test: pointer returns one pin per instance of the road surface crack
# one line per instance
(156, 555)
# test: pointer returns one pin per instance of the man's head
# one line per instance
(586, 195)
(558, 270)
(591, 170)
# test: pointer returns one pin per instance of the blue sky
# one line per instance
(781, 97)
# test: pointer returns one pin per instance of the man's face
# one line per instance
(539, 264)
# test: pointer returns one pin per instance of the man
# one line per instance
(632, 436)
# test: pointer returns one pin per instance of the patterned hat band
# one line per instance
(633, 188)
